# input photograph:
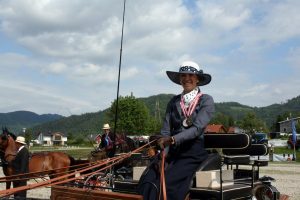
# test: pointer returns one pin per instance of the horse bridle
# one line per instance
(7, 155)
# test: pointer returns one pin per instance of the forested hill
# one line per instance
(157, 104)
(17, 120)
(289, 109)
(92, 122)
(88, 123)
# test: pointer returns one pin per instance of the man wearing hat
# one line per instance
(20, 165)
(107, 140)
(187, 115)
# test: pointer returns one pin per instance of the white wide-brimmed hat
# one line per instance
(21, 139)
(189, 67)
(106, 126)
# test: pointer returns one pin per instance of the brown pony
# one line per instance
(52, 164)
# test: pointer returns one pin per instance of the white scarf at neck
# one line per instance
(188, 97)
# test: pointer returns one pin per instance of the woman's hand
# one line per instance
(164, 142)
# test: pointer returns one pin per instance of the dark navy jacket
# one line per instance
(172, 124)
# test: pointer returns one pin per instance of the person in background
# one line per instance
(20, 166)
(181, 136)
(107, 141)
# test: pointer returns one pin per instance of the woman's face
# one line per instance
(188, 82)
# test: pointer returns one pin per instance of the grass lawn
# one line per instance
(82, 152)
(285, 150)
(76, 152)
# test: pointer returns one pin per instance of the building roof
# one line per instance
(231, 129)
(49, 134)
(287, 120)
(215, 128)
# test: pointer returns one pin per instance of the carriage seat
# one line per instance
(221, 141)
(253, 150)
(219, 183)
(212, 162)
(243, 156)
(231, 143)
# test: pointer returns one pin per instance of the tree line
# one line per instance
(143, 116)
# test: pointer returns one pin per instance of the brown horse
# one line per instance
(6, 170)
(52, 164)
(122, 144)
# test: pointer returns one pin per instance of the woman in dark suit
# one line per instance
(20, 165)
(186, 117)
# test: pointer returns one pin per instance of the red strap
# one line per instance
(162, 177)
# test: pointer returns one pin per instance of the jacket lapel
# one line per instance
(178, 106)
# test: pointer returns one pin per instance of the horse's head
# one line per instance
(5, 131)
(97, 155)
(8, 146)
(3, 141)
(124, 144)
(119, 144)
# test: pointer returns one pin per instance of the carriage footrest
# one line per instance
(261, 163)
(236, 191)
(245, 174)
(126, 186)
(237, 160)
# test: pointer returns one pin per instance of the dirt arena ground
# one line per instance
(287, 177)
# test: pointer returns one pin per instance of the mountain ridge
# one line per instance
(92, 122)
(17, 120)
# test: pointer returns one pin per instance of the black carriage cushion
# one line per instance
(226, 140)
(252, 150)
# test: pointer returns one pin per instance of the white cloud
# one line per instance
(221, 16)
(41, 98)
(71, 49)
(255, 90)
(12, 60)
(56, 68)
(276, 23)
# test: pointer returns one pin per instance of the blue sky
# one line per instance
(62, 56)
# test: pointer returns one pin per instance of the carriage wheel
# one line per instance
(263, 192)
(98, 181)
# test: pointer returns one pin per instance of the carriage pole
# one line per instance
(120, 64)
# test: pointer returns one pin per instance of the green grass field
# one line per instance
(82, 152)
(285, 150)
(76, 152)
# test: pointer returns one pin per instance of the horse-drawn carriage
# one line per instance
(228, 173)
